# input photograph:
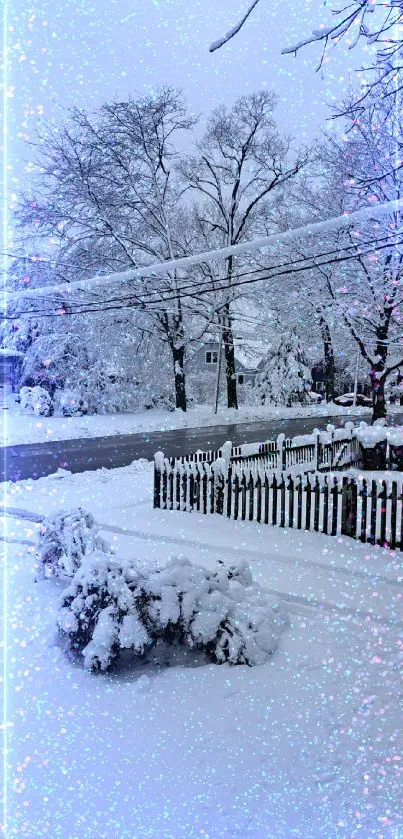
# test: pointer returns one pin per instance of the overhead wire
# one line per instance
(200, 284)
(200, 289)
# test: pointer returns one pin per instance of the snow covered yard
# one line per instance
(308, 745)
(19, 427)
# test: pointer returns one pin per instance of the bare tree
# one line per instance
(241, 159)
(376, 23)
(366, 292)
(108, 186)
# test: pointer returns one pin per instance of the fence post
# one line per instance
(236, 496)
(308, 490)
(364, 497)
(184, 488)
(374, 504)
(158, 464)
(343, 530)
(178, 487)
(229, 492)
(316, 458)
(349, 508)
(316, 504)
(325, 506)
(282, 454)
(243, 496)
(384, 500)
(219, 495)
(274, 500)
(171, 489)
(282, 501)
(393, 515)
(290, 489)
(266, 499)
(335, 502)
(197, 488)
(191, 488)
(251, 488)
(259, 498)
(330, 430)
(299, 495)
(204, 489)
(212, 485)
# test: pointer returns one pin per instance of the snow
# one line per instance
(18, 427)
(8, 353)
(235, 29)
(307, 745)
(395, 436)
(369, 436)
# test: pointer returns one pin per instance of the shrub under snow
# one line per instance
(36, 399)
(71, 403)
(65, 539)
(112, 604)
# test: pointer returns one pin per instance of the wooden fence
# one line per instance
(318, 452)
(371, 511)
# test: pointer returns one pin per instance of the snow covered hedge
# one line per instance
(71, 403)
(65, 539)
(37, 400)
(112, 605)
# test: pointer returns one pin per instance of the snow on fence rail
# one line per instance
(321, 451)
(371, 511)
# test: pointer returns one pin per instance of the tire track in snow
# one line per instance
(253, 554)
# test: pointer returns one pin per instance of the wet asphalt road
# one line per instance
(35, 460)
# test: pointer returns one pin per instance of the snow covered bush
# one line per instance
(285, 378)
(71, 403)
(163, 400)
(113, 604)
(65, 539)
(37, 400)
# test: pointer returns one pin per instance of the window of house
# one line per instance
(241, 378)
(211, 357)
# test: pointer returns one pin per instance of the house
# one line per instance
(344, 381)
(10, 369)
(247, 360)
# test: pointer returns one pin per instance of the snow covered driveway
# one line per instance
(309, 745)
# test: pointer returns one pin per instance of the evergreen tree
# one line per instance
(285, 378)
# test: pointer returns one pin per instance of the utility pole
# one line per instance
(356, 379)
(217, 384)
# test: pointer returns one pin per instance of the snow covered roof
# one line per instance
(249, 351)
(7, 353)
(249, 356)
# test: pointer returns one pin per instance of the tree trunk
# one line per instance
(229, 353)
(178, 356)
(378, 395)
(378, 372)
(329, 367)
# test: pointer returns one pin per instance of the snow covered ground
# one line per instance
(19, 427)
(309, 745)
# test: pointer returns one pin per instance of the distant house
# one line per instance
(247, 361)
(10, 369)
(344, 382)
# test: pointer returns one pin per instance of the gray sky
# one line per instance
(83, 52)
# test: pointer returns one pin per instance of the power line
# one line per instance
(143, 306)
(335, 223)
(205, 285)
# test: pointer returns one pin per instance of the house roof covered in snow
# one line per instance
(7, 353)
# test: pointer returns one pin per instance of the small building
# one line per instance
(10, 369)
(247, 361)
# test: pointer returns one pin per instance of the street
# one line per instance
(37, 460)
